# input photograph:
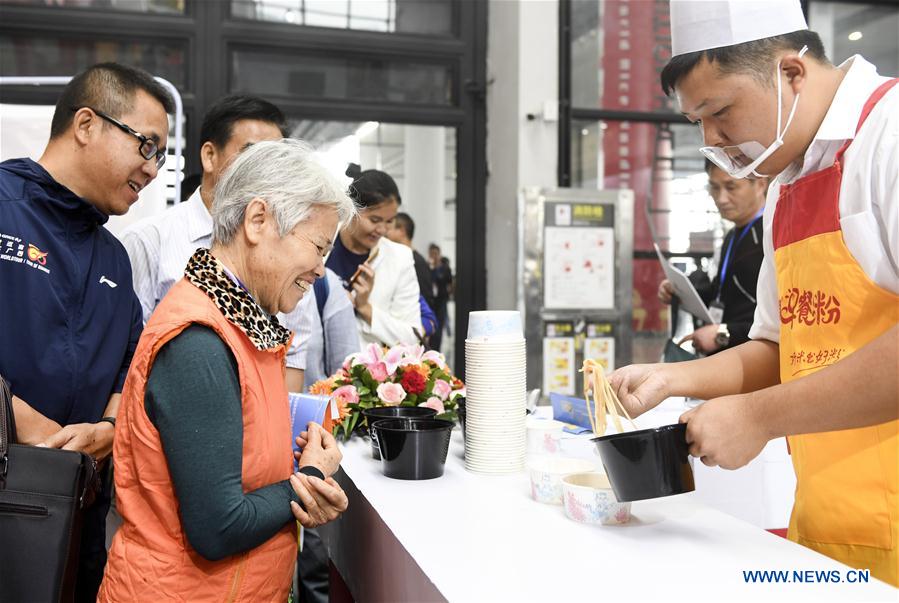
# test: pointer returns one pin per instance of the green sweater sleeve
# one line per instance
(193, 399)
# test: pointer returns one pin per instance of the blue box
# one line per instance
(571, 410)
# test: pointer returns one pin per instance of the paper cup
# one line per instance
(495, 325)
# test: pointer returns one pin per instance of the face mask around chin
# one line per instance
(741, 160)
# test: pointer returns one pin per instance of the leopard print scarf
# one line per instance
(235, 303)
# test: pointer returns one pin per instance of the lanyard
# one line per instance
(730, 247)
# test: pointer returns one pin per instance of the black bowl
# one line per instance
(412, 448)
(394, 412)
(460, 412)
(649, 463)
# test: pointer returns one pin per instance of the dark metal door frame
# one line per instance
(209, 34)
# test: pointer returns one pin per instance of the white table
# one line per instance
(467, 537)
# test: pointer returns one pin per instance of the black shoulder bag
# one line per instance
(43, 494)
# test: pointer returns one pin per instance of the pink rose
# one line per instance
(434, 403)
(347, 394)
(391, 394)
(378, 371)
(442, 389)
(459, 393)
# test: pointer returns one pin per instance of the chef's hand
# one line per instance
(703, 339)
(362, 287)
(319, 450)
(94, 439)
(725, 431)
(323, 500)
(666, 291)
(640, 387)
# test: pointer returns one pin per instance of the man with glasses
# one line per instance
(731, 296)
(149, 147)
(68, 314)
(160, 246)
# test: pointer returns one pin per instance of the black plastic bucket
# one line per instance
(460, 412)
(393, 412)
(649, 463)
(412, 448)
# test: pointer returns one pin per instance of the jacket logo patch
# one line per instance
(106, 281)
(36, 255)
(16, 251)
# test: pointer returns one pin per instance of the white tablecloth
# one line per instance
(467, 537)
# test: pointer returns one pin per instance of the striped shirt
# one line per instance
(327, 339)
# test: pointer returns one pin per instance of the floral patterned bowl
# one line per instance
(588, 498)
(543, 436)
(547, 473)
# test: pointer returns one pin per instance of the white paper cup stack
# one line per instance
(495, 386)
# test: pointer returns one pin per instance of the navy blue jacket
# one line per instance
(69, 318)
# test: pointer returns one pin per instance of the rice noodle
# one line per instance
(604, 399)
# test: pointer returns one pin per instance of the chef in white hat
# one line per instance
(821, 367)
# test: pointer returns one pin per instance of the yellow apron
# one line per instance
(846, 503)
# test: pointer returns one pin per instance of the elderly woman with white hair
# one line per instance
(204, 471)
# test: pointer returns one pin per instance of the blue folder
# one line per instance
(572, 411)
(305, 408)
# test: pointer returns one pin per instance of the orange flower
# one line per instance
(422, 369)
(342, 409)
(323, 387)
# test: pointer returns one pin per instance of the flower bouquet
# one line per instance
(404, 375)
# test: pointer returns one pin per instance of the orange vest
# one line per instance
(150, 558)
(847, 503)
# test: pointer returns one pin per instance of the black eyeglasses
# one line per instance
(148, 148)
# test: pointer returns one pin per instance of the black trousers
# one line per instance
(437, 338)
(92, 556)
(312, 568)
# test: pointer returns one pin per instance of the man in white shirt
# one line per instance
(821, 367)
(160, 246)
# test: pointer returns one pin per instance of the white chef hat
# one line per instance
(704, 24)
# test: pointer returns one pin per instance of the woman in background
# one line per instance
(384, 289)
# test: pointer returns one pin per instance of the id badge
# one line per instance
(716, 311)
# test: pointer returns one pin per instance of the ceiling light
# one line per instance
(585, 131)
(855, 36)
